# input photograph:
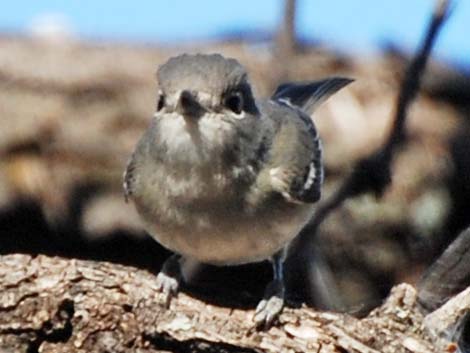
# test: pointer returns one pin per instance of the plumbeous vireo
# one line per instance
(222, 178)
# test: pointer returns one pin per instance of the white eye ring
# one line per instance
(239, 116)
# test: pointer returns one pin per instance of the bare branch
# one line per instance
(286, 39)
(285, 45)
(449, 275)
(448, 321)
(373, 173)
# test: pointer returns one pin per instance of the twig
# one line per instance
(373, 173)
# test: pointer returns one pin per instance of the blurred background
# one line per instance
(77, 89)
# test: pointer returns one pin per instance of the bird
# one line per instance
(223, 178)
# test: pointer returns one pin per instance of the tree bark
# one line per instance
(52, 305)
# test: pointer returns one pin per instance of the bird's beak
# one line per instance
(188, 106)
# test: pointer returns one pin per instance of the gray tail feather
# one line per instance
(309, 95)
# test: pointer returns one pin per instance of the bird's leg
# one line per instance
(169, 278)
(271, 306)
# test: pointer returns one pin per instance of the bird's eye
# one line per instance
(161, 102)
(234, 102)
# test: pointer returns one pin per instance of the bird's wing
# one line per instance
(128, 178)
(135, 162)
(309, 95)
(294, 168)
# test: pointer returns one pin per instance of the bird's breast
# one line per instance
(224, 234)
(208, 219)
(194, 199)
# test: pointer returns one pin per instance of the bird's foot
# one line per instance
(268, 309)
(168, 279)
(168, 288)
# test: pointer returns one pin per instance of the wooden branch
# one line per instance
(285, 44)
(286, 37)
(444, 293)
(448, 321)
(449, 275)
(51, 305)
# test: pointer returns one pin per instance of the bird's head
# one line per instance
(194, 86)
(204, 100)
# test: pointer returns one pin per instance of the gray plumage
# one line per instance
(221, 178)
(309, 95)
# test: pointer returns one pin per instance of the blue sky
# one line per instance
(354, 25)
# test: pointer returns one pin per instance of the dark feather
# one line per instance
(307, 188)
(128, 179)
(308, 95)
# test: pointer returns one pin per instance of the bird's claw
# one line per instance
(168, 279)
(168, 287)
(270, 307)
(268, 311)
